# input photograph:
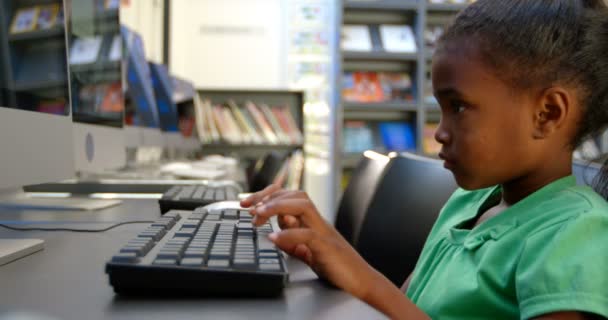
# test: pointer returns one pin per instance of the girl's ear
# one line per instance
(551, 113)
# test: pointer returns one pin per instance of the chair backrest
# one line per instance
(358, 194)
(406, 202)
(271, 165)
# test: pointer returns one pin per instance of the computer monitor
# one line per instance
(98, 104)
(142, 112)
(167, 110)
(35, 116)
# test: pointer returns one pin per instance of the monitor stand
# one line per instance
(13, 249)
(16, 199)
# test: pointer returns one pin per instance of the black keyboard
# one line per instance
(213, 250)
(191, 197)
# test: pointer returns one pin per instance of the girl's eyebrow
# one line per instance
(448, 92)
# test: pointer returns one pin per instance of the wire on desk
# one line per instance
(74, 230)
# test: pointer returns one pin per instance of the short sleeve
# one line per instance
(565, 268)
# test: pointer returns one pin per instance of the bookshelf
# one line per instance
(33, 65)
(424, 18)
(278, 103)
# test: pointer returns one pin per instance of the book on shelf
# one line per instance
(294, 129)
(113, 100)
(398, 38)
(205, 125)
(240, 135)
(358, 137)
(397, 136)
(288, 124)
(47, 16)
(362, 87)
(396, 86)
(85, 50)
(356, 38)
(262, 122)
(245, 125)
(282, 136)
(25, 20)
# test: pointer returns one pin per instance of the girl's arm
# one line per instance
(308, 237)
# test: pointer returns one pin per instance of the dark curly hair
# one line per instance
(531, 43)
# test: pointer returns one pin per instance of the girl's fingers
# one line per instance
(288, 222)
(301, 209)
(258, 196)
(292, 240)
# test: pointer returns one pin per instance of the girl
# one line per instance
(520, 83)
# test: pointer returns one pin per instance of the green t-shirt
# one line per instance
(547, 253)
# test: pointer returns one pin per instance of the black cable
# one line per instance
(74, 230)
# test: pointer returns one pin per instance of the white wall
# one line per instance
(146, 18)
(236, 44)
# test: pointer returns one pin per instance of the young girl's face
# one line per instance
(486, 125)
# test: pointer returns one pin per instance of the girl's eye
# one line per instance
(458, 106)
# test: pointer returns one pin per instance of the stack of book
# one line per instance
(249, 123)
(370, 86)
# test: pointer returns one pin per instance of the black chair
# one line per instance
(358, 195)
(268, 170)
(390, 229)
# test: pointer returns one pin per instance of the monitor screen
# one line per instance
(163, 90)
(95, 58)
(141, 102)
(35, 117)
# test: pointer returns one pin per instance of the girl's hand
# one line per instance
(306, 236)
(309, 238)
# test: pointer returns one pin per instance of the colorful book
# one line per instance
(113, 100)
(244, 125)
(288, 125)
(281, 134)
(25, 20)
(362, 87)
(85, 50)
(356, 38)
(47, 16)
(397, 38)
(262, 123)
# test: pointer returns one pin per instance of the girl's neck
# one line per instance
(515, 190)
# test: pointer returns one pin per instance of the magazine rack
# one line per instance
(411, 114)
(33, 69)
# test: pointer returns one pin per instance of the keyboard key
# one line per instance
(270, 267)
(186, 193)
(198, 194)
(265, 244)
(165, 262)
(218, 263)
(192, 262)
(125, 257)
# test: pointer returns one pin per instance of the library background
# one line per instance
(152, 99)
